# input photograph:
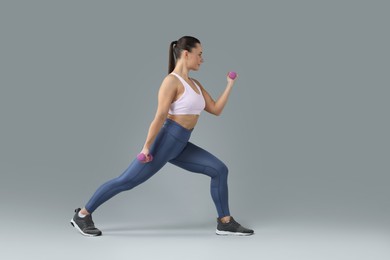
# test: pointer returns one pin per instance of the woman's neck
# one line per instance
(181, 70)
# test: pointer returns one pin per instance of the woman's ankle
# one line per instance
(83, 211)
(225, 219)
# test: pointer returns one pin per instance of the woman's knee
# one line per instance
(218, 170)
(122, 184)
(223, 169)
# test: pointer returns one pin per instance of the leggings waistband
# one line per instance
(177, 130)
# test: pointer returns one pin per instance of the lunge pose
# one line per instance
(181, 99)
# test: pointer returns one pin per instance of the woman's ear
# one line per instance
(184, 54)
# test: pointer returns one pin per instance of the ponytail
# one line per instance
(172, 61)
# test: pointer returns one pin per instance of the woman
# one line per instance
(180, 102)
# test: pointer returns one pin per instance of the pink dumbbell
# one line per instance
(232, 75)
(142, 157)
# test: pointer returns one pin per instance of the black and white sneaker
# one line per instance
(85, 225)
(232, 228)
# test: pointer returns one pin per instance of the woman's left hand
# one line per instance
(230, 80)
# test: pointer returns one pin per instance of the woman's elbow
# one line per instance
(160, 117)
(217, 113)
(214, 112)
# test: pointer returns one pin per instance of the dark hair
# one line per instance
(176, 47)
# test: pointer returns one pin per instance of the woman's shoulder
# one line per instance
(170, 79)
(170, 82)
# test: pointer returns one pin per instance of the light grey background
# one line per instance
(305, 132)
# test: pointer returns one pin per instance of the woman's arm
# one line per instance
(166, 95)
(216, 107)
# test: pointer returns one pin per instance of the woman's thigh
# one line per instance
(195, 159)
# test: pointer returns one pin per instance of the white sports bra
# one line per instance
(190, 102)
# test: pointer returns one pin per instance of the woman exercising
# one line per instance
(181, 99)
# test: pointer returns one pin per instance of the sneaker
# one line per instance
(85, 225)
(232, 228)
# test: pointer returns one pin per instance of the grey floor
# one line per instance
(48, 235)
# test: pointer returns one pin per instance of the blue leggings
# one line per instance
(171, 145)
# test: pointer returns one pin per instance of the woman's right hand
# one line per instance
(147, 154)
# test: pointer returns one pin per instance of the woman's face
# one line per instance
(195, 58)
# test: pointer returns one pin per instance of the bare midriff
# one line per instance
(186, 121)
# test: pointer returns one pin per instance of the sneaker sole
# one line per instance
(73, 223)
(228, 233)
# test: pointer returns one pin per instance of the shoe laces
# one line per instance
(234, 223)
(89, 222)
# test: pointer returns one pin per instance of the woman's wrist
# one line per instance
(230, 85)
